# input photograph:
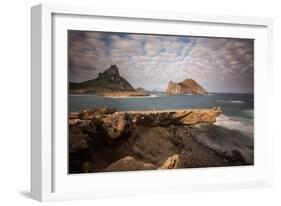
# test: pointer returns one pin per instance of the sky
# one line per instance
(151, 61)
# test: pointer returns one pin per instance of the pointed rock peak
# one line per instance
(111, 71)
(114, 69)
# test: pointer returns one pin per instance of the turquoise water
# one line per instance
(234, 129)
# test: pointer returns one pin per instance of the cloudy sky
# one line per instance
(151, 61)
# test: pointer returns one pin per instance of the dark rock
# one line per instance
(150, 144)
(80, 147)
(236, 157)
(79, 131)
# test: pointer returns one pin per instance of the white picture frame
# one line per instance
(49, 179)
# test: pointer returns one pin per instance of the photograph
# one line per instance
(140, 101)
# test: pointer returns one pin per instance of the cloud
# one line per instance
(151, 61)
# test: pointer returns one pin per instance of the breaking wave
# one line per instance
(228, 135)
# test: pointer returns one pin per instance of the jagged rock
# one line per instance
(172, 162)
(188, 86)
(90, 114)
(115, 125)
(197, 116)
(129, 164)
(112, 71)
(175, 117)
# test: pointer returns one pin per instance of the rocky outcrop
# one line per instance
(172, 162)
(129, 164)
(175, 117)
(99, 137)
(107, 81)
(91, 114)
(188, 86)
(114, 124)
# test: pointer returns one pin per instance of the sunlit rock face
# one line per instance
(188, 86)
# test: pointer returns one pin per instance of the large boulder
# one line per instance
(129, 163)
(115, 125)
(172, 162)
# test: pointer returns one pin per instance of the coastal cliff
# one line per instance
(103, 140)
(188, 86)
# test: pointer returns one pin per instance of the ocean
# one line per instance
(233, 131)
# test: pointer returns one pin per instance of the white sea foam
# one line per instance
(231, 101)
(235, 124)
(229, 134)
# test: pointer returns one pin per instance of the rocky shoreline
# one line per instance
(106, 140)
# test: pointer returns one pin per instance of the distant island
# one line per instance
(188, 86)
(108, 83)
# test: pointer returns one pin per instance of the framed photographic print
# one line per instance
(134, 102)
